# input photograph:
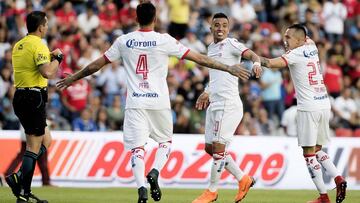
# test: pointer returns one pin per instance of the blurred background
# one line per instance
(84, 30)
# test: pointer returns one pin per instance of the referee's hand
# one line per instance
(64, 83)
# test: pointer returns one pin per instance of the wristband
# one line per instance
(59, 57)
(257, 64)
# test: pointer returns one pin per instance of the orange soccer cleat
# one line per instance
(244, 185)
(206, 197)
(324, 198)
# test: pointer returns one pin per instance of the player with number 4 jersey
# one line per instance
(313, 112)
(147, 114)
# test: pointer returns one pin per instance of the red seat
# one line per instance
(357, 133)
(343, 132)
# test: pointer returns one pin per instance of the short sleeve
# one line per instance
(240, 48)
(289, 58)
(175, 48)
(114, 52)
(42, 54)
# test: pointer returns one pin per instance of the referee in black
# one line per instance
(33, 65)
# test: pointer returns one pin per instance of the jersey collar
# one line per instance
(145, 30)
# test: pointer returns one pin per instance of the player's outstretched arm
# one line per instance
(274, 63)
(250, 55)
(88, 70)
(236, 70)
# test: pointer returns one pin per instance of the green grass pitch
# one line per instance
(129, 195)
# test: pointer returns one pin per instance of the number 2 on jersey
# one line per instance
(141, 66)
(314, 71)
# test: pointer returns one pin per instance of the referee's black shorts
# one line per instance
(29, 106)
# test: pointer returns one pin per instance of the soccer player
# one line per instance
(33, 64)
(147, 113)
(313, 106)
(225, 110)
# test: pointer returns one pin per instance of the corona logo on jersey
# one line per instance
(86, 159)
(132, 43)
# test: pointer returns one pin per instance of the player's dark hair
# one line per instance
(145, 13)
(34, 20)
(298, 28)
(220, 15)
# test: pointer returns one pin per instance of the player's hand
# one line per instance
(56, 52)
(239, 71)
(203, 101)
(64, 83)
(257, 70)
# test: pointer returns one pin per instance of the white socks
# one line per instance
(216, 170)
(315, 172)
(138, 166)
(327, 164)
(162, 155)
(234, 169)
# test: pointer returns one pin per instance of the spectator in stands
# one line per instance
(270, 82)
(108, 17)
(354, 64)
(222, 6)
(334, 13)
(313, 28)
(84, 122)
(112, 81)
(66, 16)
(102, 122)
(265, 126)
(354, 34)
(243, 12)
(333, 76)
(10, 120)
(88, 20)
(288, 121)
(116, 113)
(190, 40)
(179, 12)
(345, 108)
(75, 99)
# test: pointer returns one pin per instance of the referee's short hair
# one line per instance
(34, 20)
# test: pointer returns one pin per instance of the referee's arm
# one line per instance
(49, 70)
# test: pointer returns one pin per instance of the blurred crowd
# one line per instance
(84, 29)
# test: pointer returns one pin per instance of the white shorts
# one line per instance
(222, 119)
(139, 124)
(313, 127)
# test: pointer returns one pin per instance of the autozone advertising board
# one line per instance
(85, 159)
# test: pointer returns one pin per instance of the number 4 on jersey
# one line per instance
(141, 67)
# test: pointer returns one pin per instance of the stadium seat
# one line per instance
(357, 133)
(343, 132)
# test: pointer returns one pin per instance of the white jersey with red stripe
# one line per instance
(223, 85)
(306, 74)
(145, 54)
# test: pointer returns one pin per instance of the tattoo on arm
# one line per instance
(88, 70)
(265, 62)
(209, 62)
